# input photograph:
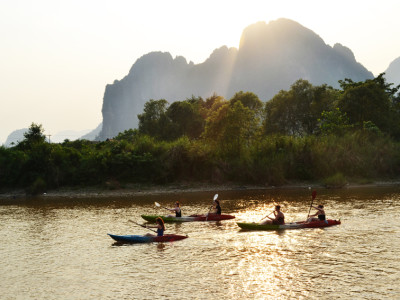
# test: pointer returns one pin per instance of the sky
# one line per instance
(57, 56)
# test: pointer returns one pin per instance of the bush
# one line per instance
(37, 187)
(336, 181)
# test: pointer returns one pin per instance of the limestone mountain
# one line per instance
(270, 57)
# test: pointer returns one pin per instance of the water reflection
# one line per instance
(63, 243)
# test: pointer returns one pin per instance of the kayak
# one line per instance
(191, 218)
(147, 239)
(294, 225)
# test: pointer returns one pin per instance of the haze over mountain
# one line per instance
(15, 137)
(393, 72)
(270, 57)
(18, 135)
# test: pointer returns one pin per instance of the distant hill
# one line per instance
(18, 135)
(15, 137)
(92, 135)
(71, 135)
(393, 72)
(271, 57)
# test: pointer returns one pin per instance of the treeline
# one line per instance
(308, 133)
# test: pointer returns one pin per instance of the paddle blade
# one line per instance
(215, 197)
(157, 204)
(314, 194)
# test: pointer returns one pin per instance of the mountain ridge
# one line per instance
(270, 57)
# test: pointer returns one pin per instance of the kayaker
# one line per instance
(176, 209)
(160, 227)
(279, 217)
(320, 214)
(217, 208)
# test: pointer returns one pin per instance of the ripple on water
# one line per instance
(58, 250)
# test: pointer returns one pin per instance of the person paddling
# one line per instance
(279, 217)
(160, 227)
(176, 209)
(217, 207)
(320, 214)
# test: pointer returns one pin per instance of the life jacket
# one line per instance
(178, 214)
(218, 210)
(160, 232)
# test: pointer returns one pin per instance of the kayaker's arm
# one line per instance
(267, 216)
(150, 226)
(142, 225)
(319, 210)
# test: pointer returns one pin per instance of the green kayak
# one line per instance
(293, 225)
(191, 218)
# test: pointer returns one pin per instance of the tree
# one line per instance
(231, 128)
(35, 170)
(186, 119)
(395, 116)
(371, 100)
(154, 121)
(333, 122)
(34, 136)
(295, 112)
(248, 99)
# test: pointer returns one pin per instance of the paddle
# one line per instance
(159, 205)
(215, 198)
(267, 216)
(313, 195)
(144, 226)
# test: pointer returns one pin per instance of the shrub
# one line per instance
(37, 187)
(336, 181)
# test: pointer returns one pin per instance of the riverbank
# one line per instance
(129, 190)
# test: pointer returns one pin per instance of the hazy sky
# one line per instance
(56, 56)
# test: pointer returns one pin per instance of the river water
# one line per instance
(59, 248)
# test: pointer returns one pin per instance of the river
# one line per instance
(59, 248)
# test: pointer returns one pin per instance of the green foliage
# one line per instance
(248, 99)
(231, 128)
(35, 134)
(371, 127)
(309, 133)
(333, 122)
(186, 118)
(12, 162)
(296, 112)
(356, 154)
(181, 118)
(32, 138)
(371, 100)
(337, 180)
(154, 121)
(127, 135)
(37, 187)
